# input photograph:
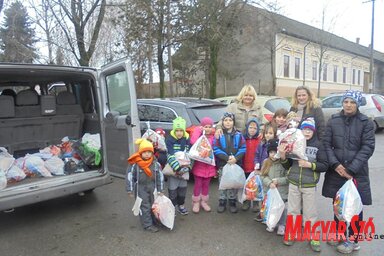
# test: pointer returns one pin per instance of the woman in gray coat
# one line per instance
(349, 142)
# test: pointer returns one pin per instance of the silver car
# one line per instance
(372, 106)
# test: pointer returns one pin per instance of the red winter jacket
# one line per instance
(249, 157)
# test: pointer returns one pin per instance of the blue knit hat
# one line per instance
(308, 123)
(228, 114)
(356, 96)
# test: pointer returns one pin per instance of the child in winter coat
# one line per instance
(269, 133)
(280, 120)
(303, 176)
(202, 172)
(252, 140)
(177, 186)
(273, 175)
(228, 149)
(142, 178)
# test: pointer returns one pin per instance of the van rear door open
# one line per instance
(120, 118)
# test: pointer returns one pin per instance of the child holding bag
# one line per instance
(228, 149)
(202, 172)
(303, 176)
(273, 175)
(178, 141)
(143, 178)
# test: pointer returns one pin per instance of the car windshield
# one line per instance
(275, 104)
(214, 112)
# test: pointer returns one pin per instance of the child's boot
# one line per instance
(196, 204)
(204, 203)
(232, 206)
(222, 206)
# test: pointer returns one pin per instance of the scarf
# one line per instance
(143, 164)
(300, 110)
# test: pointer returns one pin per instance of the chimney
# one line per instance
(358, 40)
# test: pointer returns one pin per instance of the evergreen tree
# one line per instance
(17, 36)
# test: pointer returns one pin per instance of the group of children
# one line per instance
(254, 151)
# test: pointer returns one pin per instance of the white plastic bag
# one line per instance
(3, 180)
(35, 165)
(202, 151)
(253, 189)
(157, 140)
(55, 165)
(6, 160)
(347, 202)
(296, 144)
(183, 158)
(232, 177)
(272, 208)
(15, 174)
(164, 210)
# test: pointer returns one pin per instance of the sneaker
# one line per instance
(315, 245)
(246, 205)
(288, 242)
(281, 230)
(348, 247)
(222, 206)
(182, 210)
(333, 242)
(258, 218)
(152, 229)
(270, 230)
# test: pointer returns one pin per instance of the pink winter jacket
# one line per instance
(201, 169)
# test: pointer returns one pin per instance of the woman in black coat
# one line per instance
(349, 142)
(305, 104)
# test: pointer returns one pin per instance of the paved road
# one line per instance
(101, 223)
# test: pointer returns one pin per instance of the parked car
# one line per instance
(372, 105)
(160, 112)
(35, 116)
(269, 103)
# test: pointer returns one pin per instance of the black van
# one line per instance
(42, 104)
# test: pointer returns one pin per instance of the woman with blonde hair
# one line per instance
(244, 108)
(305, 104)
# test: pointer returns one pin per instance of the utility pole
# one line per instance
(371, 68)
(170, 66)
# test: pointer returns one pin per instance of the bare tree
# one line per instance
(84, 18)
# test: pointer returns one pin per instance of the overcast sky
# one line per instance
(346, 18)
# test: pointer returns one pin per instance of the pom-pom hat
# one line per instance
(308, 123)
(206, 121)
(144, 145)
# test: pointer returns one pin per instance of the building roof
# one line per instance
(306, 32)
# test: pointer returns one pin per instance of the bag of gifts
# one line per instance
(202, 151)
(347, 202)
(272, 208)
(232, 177)
(253, 189)
(157, 140)
(164, 210)
(296, 144)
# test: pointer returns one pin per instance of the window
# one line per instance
(354, 76)
(297, 68)
(325, 72)
(148, 113)
(286, 66)
(118, 93)
(335, 73)
(314, 70)
(344, 75)
(166, 115)
(358, 77)
(332, 102)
